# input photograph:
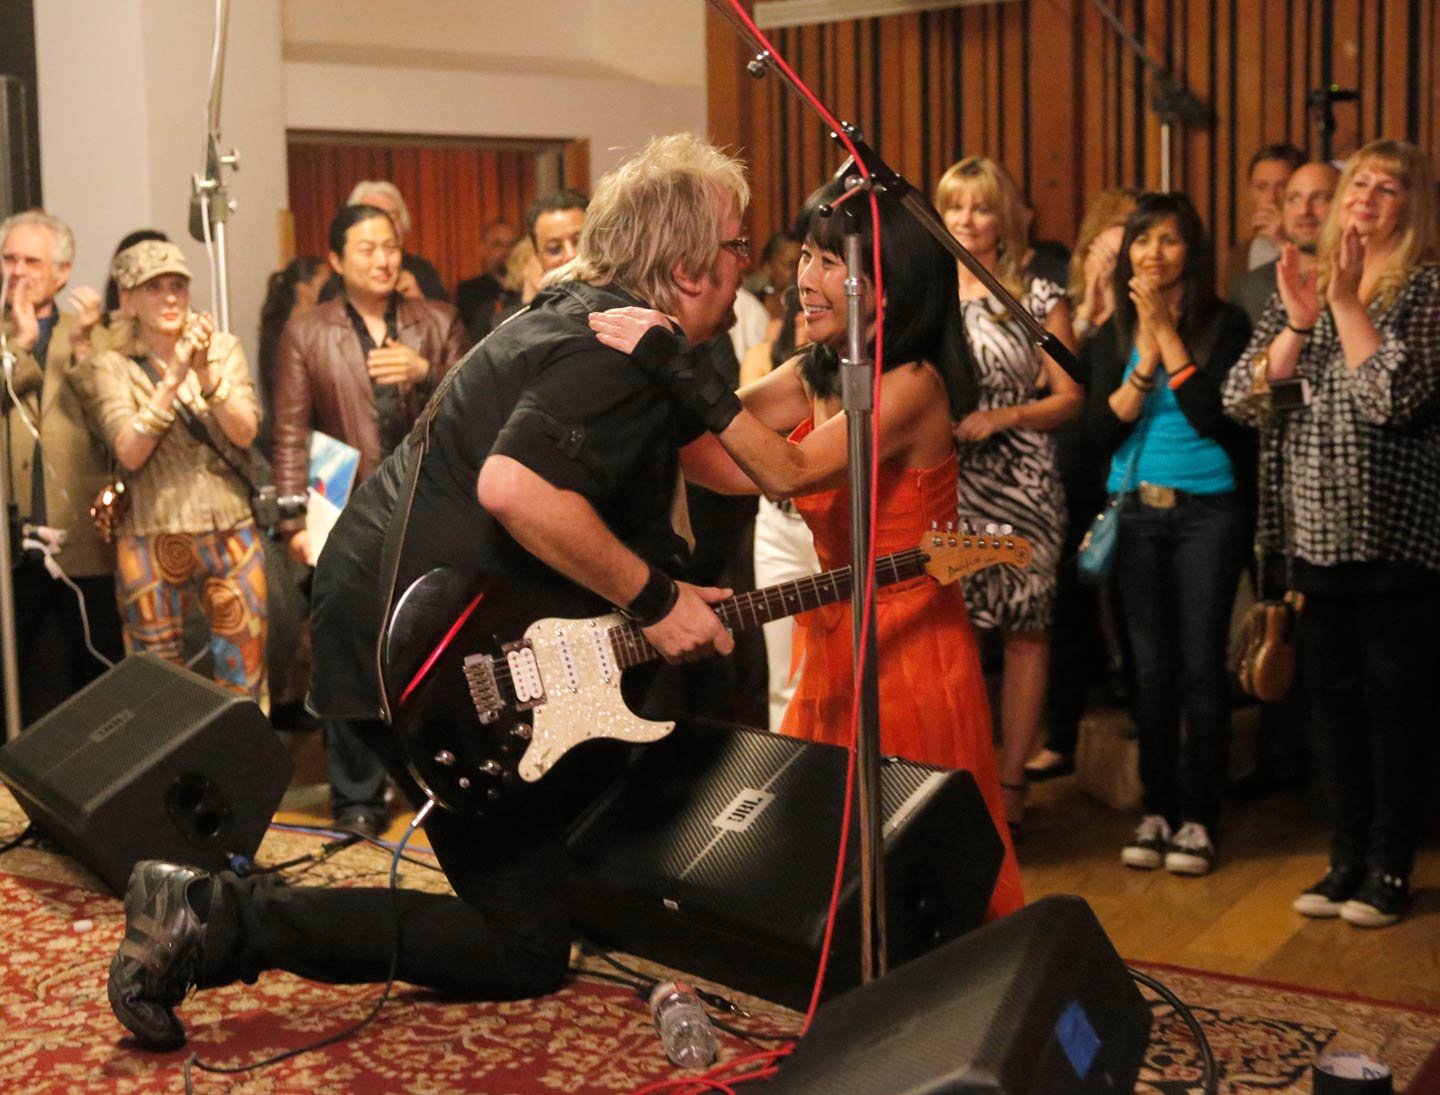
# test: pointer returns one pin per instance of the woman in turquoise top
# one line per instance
(1156, 369)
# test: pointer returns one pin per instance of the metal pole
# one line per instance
(857, 373)
(1165, 156)
(8, 644)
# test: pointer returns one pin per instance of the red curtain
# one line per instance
(452, 190)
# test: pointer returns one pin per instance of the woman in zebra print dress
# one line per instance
(1008, 466)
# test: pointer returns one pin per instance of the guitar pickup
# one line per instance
(525, 677)
(484, 691)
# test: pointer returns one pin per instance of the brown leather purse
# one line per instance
(109, 508)
(1267, 655)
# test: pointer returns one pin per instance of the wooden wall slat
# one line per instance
(932, 88)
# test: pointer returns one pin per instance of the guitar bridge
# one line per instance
(484, 691)
(525, 676)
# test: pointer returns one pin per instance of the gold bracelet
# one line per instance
(219, 393)
(143, 428)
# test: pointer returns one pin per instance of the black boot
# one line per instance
(159, 958)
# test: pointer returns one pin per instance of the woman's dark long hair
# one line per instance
(279, 302)
(922, 295)
(1198, 300)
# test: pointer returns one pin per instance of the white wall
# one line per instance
(120, 137)
(613, 71)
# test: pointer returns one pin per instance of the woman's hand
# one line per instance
(1151, 309)
(623, 328)
(982, 425)
(191, 350)
(1347, 270)
(1297, 289)
(85, 303)
(1099, 298)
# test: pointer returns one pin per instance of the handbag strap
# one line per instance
(195, 427)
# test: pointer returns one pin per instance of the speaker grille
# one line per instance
(95, 746)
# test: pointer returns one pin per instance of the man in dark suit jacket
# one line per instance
(478, 298)
(359, 368)
(1302, 213)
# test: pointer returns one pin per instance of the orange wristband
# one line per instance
(1182, 376)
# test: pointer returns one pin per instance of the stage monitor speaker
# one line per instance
(1037, 1003)
(150, 761)
(715, 853)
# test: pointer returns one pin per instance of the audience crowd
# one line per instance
(1295, 421)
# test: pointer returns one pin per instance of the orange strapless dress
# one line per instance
(933, 705)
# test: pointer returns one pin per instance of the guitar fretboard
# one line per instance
(748, 610)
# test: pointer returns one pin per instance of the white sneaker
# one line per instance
(1190, 851)
(1146, 849)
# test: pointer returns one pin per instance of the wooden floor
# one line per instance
(1236, 920)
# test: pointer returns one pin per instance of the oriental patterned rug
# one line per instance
(593, 1038)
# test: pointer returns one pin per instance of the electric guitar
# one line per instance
(492, 680)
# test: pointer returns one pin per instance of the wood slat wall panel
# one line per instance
(1045, 86)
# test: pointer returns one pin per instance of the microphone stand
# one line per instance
(857, 388)
(210, 202)
(1170, 99)
(9, 646)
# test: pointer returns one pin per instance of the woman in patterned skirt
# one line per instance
(1008, 467)
(189, 527)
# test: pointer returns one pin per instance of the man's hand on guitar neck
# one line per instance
(691, 630)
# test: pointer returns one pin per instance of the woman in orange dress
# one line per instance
(933, 705)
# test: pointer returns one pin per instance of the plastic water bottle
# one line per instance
(684, 1027)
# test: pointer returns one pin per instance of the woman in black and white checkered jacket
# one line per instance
(1350, 494)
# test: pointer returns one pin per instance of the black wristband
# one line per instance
(1298, 330)
(655, 599)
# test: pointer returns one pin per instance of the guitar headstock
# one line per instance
(952, 553)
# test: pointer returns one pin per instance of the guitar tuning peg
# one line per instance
(934, 526)
(1006, 530)
(991, 528)
(949, 526)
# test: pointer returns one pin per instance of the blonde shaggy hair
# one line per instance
(993, 185)
(661, 207)
(1419, 244)
(1108, 209)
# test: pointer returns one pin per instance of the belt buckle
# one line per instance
(1156, 496)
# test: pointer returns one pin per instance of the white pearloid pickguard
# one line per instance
(582, 693)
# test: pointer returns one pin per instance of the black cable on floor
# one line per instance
(368, 839)
(1210, 1081)
(330, 1040)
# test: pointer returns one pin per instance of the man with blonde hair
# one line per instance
(544, 458)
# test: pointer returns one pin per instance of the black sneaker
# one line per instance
(1379, 902)
(1325, 897)
(159, 958)
(1190, 851)
(1146, 849)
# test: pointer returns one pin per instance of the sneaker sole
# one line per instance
(1366, 916)
(1142, 859)
(1186, 864)
(1313, 905)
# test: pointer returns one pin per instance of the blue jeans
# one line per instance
(1178, 569)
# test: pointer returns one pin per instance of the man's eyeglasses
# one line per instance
(740, 246)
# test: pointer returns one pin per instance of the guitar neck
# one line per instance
(749, 610)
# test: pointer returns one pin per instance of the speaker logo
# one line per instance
(112, 724)
(742, 810)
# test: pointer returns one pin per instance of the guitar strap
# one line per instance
(395, 540)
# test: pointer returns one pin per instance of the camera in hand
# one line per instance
(1287, 396)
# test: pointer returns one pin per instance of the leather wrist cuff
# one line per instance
(655, 599)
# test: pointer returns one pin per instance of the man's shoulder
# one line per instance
(425, 310)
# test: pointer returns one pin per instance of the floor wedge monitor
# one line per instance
(150, 761)
(715, 853)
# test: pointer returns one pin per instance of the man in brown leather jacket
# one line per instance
(360, 368)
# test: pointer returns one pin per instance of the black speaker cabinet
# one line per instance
(150, 761)
(715, 853)
(1035, 1004)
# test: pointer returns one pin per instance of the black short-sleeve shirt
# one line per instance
(543, 391)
